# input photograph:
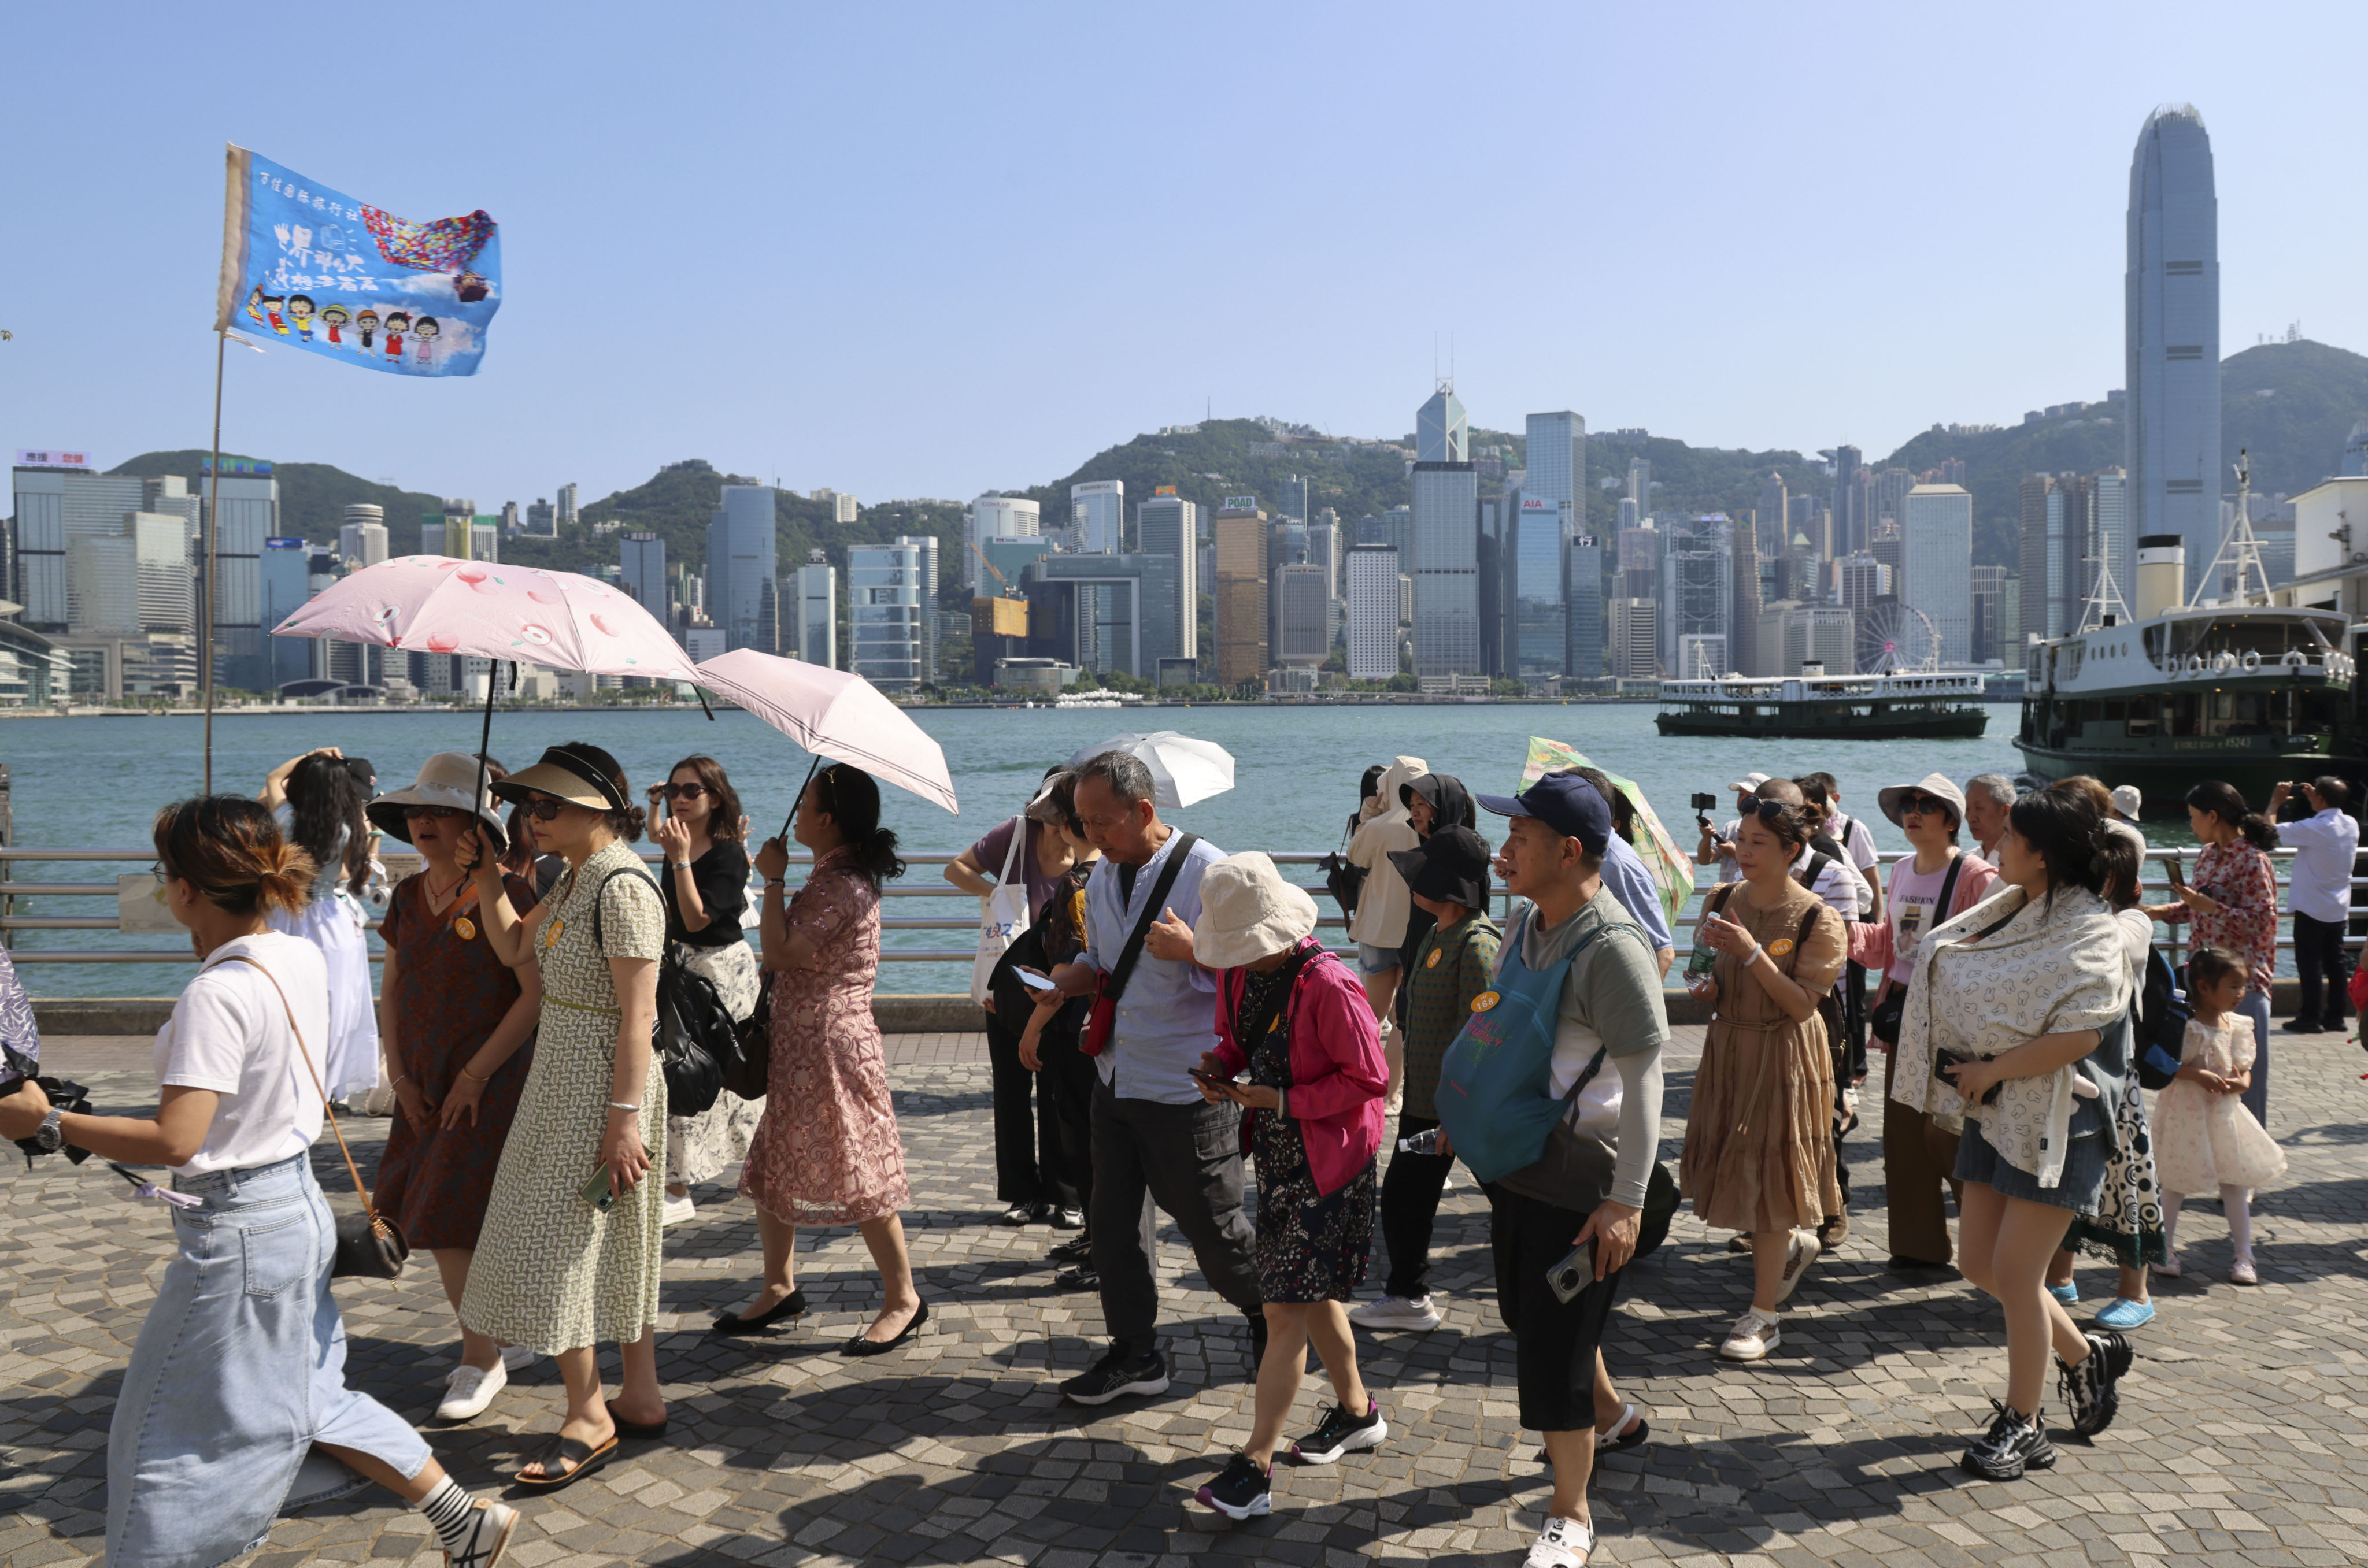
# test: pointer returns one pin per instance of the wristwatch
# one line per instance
(50, 1135)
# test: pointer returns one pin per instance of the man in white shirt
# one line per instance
(1851, 832)
(1718, 849)
(2326, 843)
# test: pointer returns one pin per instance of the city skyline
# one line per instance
(813, 383)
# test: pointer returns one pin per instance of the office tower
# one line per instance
(1811, 517)
(1373, 612)
(1292, 502)
(542, 522)
(285, 583)
(1098, 516)
(1240, 569)
(890, 613)
(995, 516)
(1744, 538)
(1889, 546)
(2059, 526)
(1441, 433)
(55, 506)
(103, 586)
(642, 572)
(249, 514)
(1862, 580)
(1630, 515)
(1773, 515)
(1889, 487)
(1393, 528)
(1500, 610)
(361, 539)
(1937, 526)
(458, 521)
(814, 636)
(1989, 594)
(512, 524)
(2012, 644)
(1635, 639)
(927, 546)
(1169, 525)
(1113, 614)
(1446, 568)
(471, 538)
(741, 594)
(1640, 485)
(1821, 634)
(1801, 575)
(1323, 549)
(1639, 561)
(1850, 529)
(566, 506)
(1697, 593)
(2109, 513)
(2170, 439)
(1583, 656)
(1304, 616)
(1553, 494)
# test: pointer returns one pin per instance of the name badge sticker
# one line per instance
(1485, 1000)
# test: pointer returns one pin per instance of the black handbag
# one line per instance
(370, 1245)
(1575, 1173)
(692, 1024)
(1344, 881)
(749, 1068)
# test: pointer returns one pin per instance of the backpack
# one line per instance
(2160, 1031)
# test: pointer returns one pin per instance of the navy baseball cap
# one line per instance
(1565, 802)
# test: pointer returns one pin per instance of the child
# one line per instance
(2203, 1138)
(1447, 875)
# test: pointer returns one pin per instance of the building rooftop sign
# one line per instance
(51, 459)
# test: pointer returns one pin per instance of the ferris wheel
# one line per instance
(1895, 639)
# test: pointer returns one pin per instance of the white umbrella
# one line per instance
(1183, 770)
(835, 714)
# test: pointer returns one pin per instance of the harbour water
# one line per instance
(97, 781)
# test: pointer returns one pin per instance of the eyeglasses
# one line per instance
(162, 873)
(682, 792)
(543, 808)
(439, 812)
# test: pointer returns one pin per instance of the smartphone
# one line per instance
(599, 1191)
(1210, 1080)
(2177, 877)
(1034, 981)
(1574, 1273)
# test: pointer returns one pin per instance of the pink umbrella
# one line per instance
(835, 714)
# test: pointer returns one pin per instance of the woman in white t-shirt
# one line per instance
(206, 1450)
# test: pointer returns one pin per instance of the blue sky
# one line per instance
(927, 250)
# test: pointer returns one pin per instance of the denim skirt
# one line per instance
(2085, 1159)
(238, 1371)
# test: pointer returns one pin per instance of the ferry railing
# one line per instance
(925, 883)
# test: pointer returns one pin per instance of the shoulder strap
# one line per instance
(1115, 986)
(597, 942)
(1011, 853)
(326, 1109)
(1947, 887)
(1718, 897)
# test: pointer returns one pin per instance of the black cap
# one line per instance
(1565, 802)
(1450, 866)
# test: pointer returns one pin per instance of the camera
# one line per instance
(1706, 802)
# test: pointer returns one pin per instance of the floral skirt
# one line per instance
(1312, 1246)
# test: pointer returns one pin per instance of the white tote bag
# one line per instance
(1002, 915)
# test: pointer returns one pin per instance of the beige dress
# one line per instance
(551, 1272)
(1760, 1143)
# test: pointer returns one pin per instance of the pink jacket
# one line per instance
(1338, 1073)
(1871, 944)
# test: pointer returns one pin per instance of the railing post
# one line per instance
(7, 868)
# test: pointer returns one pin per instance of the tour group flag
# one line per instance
(1673, 871)
(314, 269)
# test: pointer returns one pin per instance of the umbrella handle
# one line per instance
(811, 769)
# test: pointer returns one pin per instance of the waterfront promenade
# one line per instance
(2243, 1438)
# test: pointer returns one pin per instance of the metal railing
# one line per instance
(930, 887)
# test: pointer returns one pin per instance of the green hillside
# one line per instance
(313, 496)
(1216, 462)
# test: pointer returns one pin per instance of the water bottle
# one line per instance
(1423, 1142)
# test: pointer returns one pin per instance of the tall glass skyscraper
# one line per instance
(1548, 520)
(1168, 524)
(1441, 431)
(741, 596)
(2171, 433)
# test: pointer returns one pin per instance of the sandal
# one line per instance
(638, 1429)
(581, 1458)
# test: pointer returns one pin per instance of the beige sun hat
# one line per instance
(1937, 785)
(1248, 912)
(448, 779)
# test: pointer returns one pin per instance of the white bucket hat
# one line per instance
(1937, 785)
(1248, 912)
(2127, 800)
(445, 779)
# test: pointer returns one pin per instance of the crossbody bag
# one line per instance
(1110, 985)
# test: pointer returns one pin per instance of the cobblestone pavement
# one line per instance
(2243, 1436)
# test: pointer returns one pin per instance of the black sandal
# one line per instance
(732, 1325)
(581, 1457)
(639, 1429)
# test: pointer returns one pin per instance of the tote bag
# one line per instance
(1002, 915)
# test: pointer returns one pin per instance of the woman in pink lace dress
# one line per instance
(827, 1152)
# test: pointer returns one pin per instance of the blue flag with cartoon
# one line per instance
(314, 269)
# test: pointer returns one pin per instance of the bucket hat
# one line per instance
(1248, 912)
(580, 778)
(2127, 800)
(1936, 785)
(446, 778)
(1450, 866)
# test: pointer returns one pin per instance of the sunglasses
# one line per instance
(1920, 805)
(682, 792)
(543, 808)
(439, 812)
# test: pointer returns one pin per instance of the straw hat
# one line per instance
(579, 778)
(445, 779)
(1248, 912)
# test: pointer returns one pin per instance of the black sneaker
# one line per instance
(1242, 1490)
(1078, 1251)
(2013, 1445)
(1117, 1374)
(2089, 1389)
(1078, 1277)
(1342, 1433)
(2308, 1026)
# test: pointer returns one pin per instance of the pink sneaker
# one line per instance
(2242, 1272)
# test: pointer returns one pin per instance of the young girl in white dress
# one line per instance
(2204, 1139)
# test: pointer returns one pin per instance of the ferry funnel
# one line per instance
(2161, 574)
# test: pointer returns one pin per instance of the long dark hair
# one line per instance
(2216, 798)
(324, 797)
(852, 798)
(724, 815)
(2064, 830)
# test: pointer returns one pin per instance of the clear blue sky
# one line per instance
(929, 250)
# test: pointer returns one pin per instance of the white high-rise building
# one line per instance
(565, 511)
(816, 638)
(891, 592)
(1373, 612)
(361, 539)
(1098, 516)
(996, 516)
(1169, 525)
(2170, 434)
(1936, 539)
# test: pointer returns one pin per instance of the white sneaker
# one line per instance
(678, 1210)
(1396, 1311)
(467, 1389)
(1754, 1335)
(517, 1358)
(1564, 1543)
(1799, 1253)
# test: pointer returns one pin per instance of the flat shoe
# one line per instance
(789, 1306)
(640, 1429)
(859, 1346)
(2242, 1272)
(582, 1459)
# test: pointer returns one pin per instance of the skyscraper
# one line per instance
(2109, 516)
(642, 572)
(1582, 657)
(286, 585)
(2170, 439)
(1553, 492)
(1442, 432)
(1446, 568)
(1293, 501)
(1744, 618)
(1989, 599)
(1240, 562)
(1115, 614)
(741, 596)
(1937, 529)
(1373, 612)
(1773, 515)
(995, 516)
(565, 510)
(249, 504)
(1168, 524)
(891, 613)
(1304, 616)
(542, 522)
(1098, 515)
(815, 636)
(1640, 487)
(1324, 548)
(1697, 597)
(1851, 531)
(361, 539)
